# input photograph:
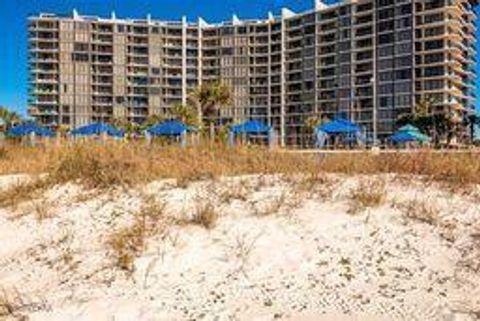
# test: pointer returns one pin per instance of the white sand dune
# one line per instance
(310, 260)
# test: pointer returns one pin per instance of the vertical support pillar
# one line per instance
(184, 60)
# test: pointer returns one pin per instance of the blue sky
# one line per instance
(13, 38)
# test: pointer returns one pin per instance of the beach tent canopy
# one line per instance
(409, 128)
(339, 126)
(29, 129)
(251, 127)
(97, 129)
(409, 133)
(169, 128)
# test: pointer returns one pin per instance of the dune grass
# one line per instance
(368, 194)
(115, 165)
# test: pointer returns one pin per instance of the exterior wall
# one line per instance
(300, 82)
(368, 60)
(445, 54)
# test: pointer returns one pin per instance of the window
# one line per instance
(403, 61)
(344, 69)
(386, 76)
(227, 51)
(385, 51)
(242, 30)
(403, 22)
(433, 84)
(386, 101)
(403, 48)
(386, 39)
(78, 46)
(404, 36)
(433, 58)
(430, 32)
(402, 87)
(342, 58)
(403, 74)
(385, 26)
(403, 100)
(436, 44)
(433, 71)
(385, 89)
(386, 13)
(76, 57)
(404, 9)
(385, 64)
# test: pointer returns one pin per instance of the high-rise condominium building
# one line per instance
(368, 60)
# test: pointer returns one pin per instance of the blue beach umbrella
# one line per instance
(251, 127)
(97, 129)
(409, 133)
(169, 128)
(339, 126)
(29, 129)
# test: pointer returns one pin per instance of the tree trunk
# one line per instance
(472, 131)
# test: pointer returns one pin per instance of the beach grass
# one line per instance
(117, 165)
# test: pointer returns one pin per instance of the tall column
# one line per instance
(184, 60)
(375, 76)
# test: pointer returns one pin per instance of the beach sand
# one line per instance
(275, 253)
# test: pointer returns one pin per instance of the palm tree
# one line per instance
(437, 124)
(424, 107)
(311, 123)
(124, 124)
(424, 118)
(10, 117)
(186, 114)
(473, 121)
(208, 99)
(152, 120)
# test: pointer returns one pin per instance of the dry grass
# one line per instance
(93, 163)
(235, 191)
(205, 215)
(21, 192)
(311, 185)
(283, 203)
(11, 303)
(241, 249)
(368, 194)
(270, 205)
(42, 210)
(470, 251)
(128, 242)
(114, 165)
(3, 153)
(419, 210)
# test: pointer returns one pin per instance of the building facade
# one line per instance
(367, 60)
